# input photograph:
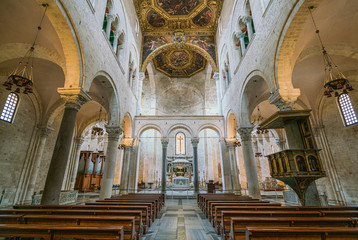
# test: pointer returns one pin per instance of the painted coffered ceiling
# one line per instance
(177, 34)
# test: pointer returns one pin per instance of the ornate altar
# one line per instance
(90, 170)
(300, 165)
(180, 170)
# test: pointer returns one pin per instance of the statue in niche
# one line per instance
(312, 160)
(301, 165)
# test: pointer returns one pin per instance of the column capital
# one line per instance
(284, 100)
(110, 17)
(141, 76)
(195, 141)
(231, 143)
(165, 142)
(127, 142)
(117, 34)
(216, 76)
(114, 132)
(44, 130)
(247, 19)
(74, 97)
(245, 133)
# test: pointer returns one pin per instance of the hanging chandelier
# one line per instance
(334, 81)
(22, 76)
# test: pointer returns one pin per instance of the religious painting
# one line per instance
(155, 19)
(205, 42)
(178, 7)
(160, 60)
(203, 18)
(301, 163)
(150, 44)
(179, 58)
(312, 160)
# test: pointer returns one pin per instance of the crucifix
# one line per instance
(181, 139)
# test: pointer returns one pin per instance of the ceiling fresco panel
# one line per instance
(178, 7)
(203, 18)
(155, 19)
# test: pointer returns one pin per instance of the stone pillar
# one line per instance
(250, 165)
(110, 19)
(257, 160)
(133, 162)
(127, 145)
(74, 98)
(141, 77)
(250, 30)
(194, 142)
(110, 163)
(165, 142)
(44, 132)
(115, 40)
(79, 142)
(225, 166)
(234, 172)
(218, 92)
(242, 43)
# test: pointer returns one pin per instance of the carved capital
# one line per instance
(114, 132)
(127, 142)
(109, 17)
(141, 76)
(116, 34)
(195, 142)
(165, 142)
(216, 76)
(231, 143)
(247, 19)
(284, 100)
(45, 131)
(74, 97)
(245, 133)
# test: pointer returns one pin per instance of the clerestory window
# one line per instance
(9, 109)
(347, 110)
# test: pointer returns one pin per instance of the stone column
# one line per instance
(110, 163)
(250, 165)
(44, 132)
(225, 166)
(250, 30)
(74, 98)
(115, 40)
(194, 142)
(132, 184)
(242, 43)
(257, 160)
(218, 92)
(110, 19)
(165, 142)
(234, 172)
(79, 142)
(140, 86)
(127, 145)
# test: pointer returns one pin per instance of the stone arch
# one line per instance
(212, 127)
(286, 45)
(127, 126)
(147, 127)
(180, 126)
(254, 85)
(106, 86)
(190, 46)
(71, 45)
(231, 125)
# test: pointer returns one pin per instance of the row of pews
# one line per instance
(124, 217)
(241, 217)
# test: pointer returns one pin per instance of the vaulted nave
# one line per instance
(179, 119)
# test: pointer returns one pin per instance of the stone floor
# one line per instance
(181, 219)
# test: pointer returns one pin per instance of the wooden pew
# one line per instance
(146, 221)
(238, 224)
(222, 225)
(128, 223)
(299, 233)
(58, 232)
(155, 202)
(339, 213)
(10, 218)
(70, 212)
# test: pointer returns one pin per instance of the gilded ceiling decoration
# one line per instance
(188, 25)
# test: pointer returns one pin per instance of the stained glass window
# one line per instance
(180, 144)
(8, 112)
(347, 110)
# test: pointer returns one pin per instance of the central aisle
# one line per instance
(181, 219)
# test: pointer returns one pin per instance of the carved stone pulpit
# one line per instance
(299, 165)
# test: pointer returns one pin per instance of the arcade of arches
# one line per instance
(152, 96)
